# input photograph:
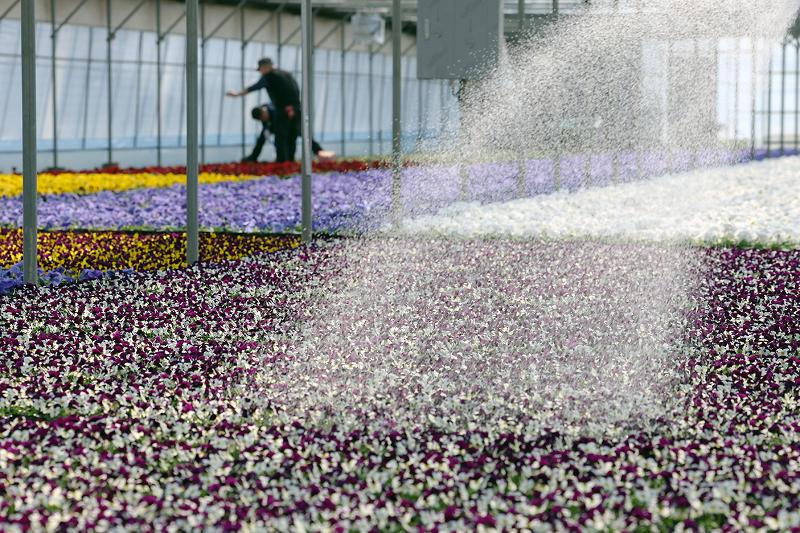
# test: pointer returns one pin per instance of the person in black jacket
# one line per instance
(285, 95)
(264, 115)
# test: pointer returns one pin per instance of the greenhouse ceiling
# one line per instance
(511, 7)
(340, 8)
(532, 9)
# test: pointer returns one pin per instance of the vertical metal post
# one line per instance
(371, 102)
(409, 85)
(379, 122)
(192, 185)
(222, 93)
(753, 101)
(138, 103)
(343, 94)
(667, 108)
(203, 84)
(86, 86)
(443, 119)
(797, 94)
(694, 152)
(310, 106)
(159, 109)
(355, 108)
(783, 99)
(53, 37)
(464, 164)
(769, 101)
(323, 129)
(279, 32)
(738, 55)
(29, 222)
(308, 44)
(521, 14)
(242, 81)
(397, 144)
(420, 115)
(110, 121)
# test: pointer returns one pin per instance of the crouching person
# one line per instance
(264, 114)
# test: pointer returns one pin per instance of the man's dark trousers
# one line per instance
(295, 131)
(286, 131)
(282, 128)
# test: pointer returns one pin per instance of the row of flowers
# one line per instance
(111, 179)
(159, 400)
(343, 201)
(67, 256)
(64, 183)
(347, 200)
(252, 168)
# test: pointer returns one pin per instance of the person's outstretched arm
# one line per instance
(260, 84)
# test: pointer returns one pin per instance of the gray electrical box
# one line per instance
(458, 39)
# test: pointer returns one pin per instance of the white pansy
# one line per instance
(754, 202)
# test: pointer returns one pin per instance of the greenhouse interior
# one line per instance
(400, 265)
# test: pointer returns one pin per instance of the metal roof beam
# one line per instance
(128, 17)
(330, 33)
(10, 8)
(69, 17)
(228, 17)
(172, 26)
(264, 24)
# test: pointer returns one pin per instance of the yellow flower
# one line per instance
(11, 184)
(112, 250)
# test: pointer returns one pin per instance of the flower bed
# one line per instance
(266, 204)
(256, 169)
(149, 403)
(349, 201)
(66, 256)
(116, 179)
(51, 184)
(749, 202)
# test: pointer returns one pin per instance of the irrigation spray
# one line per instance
(572, 335)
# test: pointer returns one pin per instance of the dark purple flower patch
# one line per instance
(153, 402)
